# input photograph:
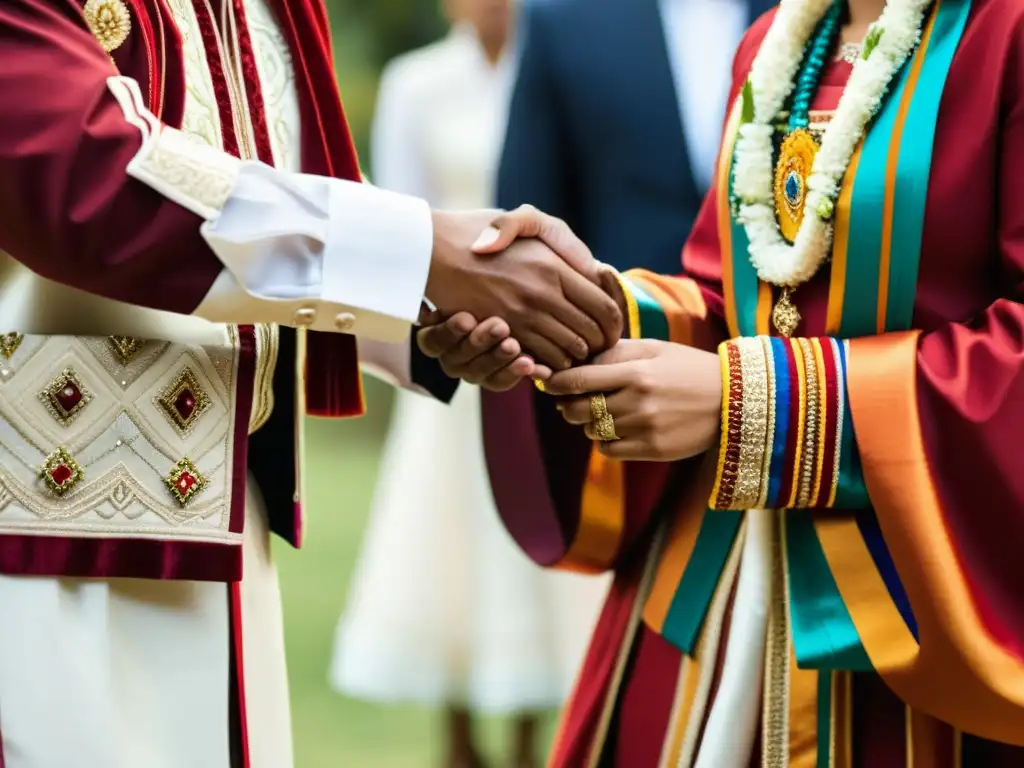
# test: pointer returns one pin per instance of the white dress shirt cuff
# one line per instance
(298, 250)
(326, 254)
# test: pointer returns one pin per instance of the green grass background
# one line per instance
(332, 731)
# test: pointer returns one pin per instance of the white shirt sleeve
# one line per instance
(298, 250)
(396, 155)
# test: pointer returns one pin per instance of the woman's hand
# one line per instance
(666, 399)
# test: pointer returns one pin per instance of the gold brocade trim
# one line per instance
(202, 116)
(840, 405)
(185, 481)
(177, 161)
(755, 420)
(775, 704)
(61, 472)
(267, 343)
(769, 359)
(9, 343)
(184, 400)
(813, 418)
(125, 347)
(65, 397)
(118, 452)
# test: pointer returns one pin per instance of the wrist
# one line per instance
(440, 253)
(785, 425)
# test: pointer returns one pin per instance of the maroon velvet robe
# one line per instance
(69, 212)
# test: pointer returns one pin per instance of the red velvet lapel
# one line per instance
(333, 385)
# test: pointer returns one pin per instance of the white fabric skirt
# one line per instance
(444, 608)
(123, 673)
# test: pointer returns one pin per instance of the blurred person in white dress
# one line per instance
(444, 609)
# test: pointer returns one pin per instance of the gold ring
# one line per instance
(602, 422)
(604, 429)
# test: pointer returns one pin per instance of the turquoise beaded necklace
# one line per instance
(796, 154)
(821, 45)
(798, 149)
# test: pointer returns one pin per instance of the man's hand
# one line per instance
(480, 354)
(545, 286)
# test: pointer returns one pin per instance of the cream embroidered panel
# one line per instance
(114, 435)
(277, 78)
(201, 118)
(117, 436)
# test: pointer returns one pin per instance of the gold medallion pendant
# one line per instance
(796, 158)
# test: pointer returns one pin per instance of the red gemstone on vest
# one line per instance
(61, 474)
(185, 403)
(68, 396)
(185, 482)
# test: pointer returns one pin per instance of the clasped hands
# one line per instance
(549, 306)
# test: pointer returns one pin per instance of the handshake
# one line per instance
(516, 295)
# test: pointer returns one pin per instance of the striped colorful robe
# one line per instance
(882, 627)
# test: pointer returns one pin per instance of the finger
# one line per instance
(560, 238)
(438, 339)
(624, 437)
(541, 372)
(488, 336)
(624, 450)
(591, 336)
(628, 350)
(539, 345)
(576, 410)
(597, 305)
(611, 283)
(506, 378)
(505, 229)
(591, 378)
(486, 365)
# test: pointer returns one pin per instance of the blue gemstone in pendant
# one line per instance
(794, 189)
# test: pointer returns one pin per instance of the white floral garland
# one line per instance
(894, 37)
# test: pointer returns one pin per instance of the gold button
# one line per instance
(345, 321)
(304, 316)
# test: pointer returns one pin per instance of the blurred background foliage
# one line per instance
(332, 731)
(367, 34)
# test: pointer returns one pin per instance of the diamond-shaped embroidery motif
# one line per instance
(9, 343)
(125, 347)
(184, 401)
(65, 397)
(185, 481)
(61, 472)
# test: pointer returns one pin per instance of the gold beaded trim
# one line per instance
(755, 421)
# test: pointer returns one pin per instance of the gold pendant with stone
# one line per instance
(796, 159)
(785, 316)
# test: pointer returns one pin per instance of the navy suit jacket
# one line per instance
(595, 135)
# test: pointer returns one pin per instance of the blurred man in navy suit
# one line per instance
(616, 117)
